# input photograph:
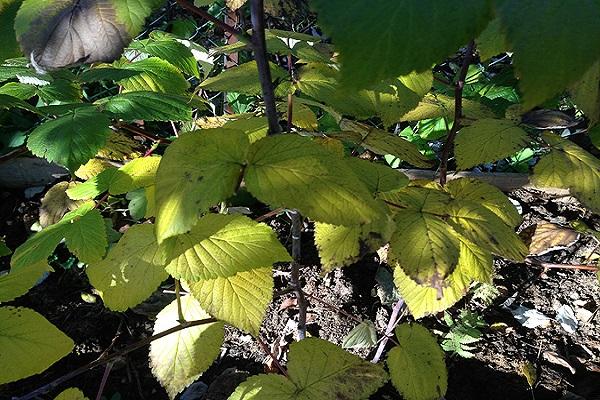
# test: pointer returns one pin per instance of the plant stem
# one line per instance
(206, 16)
(103, 360)
(264, 71)
(296, 255)
(269, 353)
(458, 91)
(107, 370)
(389, 330)
(178, 298)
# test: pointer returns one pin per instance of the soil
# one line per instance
(336, 301)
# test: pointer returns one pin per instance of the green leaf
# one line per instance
(148, 106)
(281, 168)
(377, 177)
(168, 48)
(488, 140)
(389, 100)
(133, 13)
(30, 344)
(4, 249)
(70, 140)
(382, 142)
(83, 221)
(338, 245)
(137, 173)
(363, 335)
(131, 271)
(198, 170)
(439, 105)
(219, 246)
(417, 366)
(388, 38)
(492, 41)
(240, 300)
(242, 79)
(317, 369)
(586, 94)
(434, 247)
(544, 55)
(71, 394)
(19, 90)
(155, 75)
(569, 166)
(178, 359)
(487, 196)
(18, 282)
(8, 12)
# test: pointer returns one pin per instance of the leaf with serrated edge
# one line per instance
(240, 300)
(30, 344)
(317, 369)
(153, 74)
(147, 106)
(338, 245)
(488, 140)
(366, 34)
(417, 365)
(569, 166)
(41, 245)
(131, 271)
(485, 229)
(474, 263)
(178, 359)
(486, 195)
(197, 171)
(586, 94)
(56, 203)
(70, 140)
(241, 79)
(219, 246)
(546, 67)
(439, 105)
(170, 49)
(17, 283)
(281, 168)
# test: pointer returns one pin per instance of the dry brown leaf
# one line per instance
(550, 237)
(56, 204)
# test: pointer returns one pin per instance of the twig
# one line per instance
(269, 214)
(13, 153)
(389, 330)
(296, 254)
(107, 370)
(143, 133)
(206, 16)
(458, 91)
(103, 360)
(268, 352)
(546, 265)
(290, 99)
(264, 70)
(334, 308)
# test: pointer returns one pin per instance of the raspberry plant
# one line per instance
(397, 78)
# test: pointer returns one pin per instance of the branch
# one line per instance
(264, 71)
(389, 330)
(505, 181)
(296, 254)
(458, 91)
(103, 360)
(206, 16)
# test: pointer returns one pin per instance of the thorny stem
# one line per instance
(389, 330)
(458, 109)
(290, 102)
(206, 16)
(264, 71)
(296, 254)
(178, 297)
(103, 360)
